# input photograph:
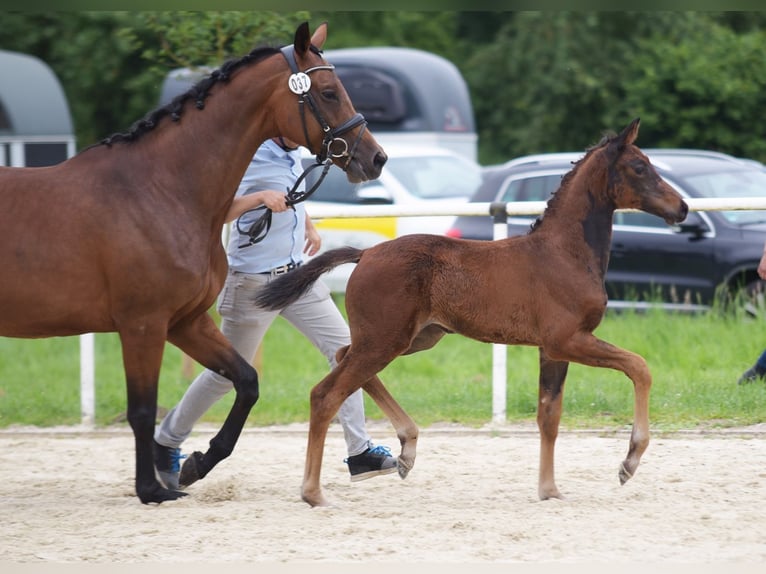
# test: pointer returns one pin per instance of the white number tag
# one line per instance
(299, 83)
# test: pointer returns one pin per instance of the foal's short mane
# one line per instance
(198, 92)
(567, 177)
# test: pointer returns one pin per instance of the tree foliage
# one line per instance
(540, 81)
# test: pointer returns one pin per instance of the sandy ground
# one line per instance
(66, 496)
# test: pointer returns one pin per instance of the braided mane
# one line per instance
(198, 93)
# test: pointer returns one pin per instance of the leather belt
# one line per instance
(282, 269)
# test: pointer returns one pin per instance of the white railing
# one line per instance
(500, 229)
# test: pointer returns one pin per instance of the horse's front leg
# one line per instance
(202, 341)
(549, 404)
(589, 350)
(142, 349)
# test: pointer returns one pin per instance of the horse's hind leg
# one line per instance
(202, 341)
(325, 401)
(142, 348)
(406, 429)
(550, 396)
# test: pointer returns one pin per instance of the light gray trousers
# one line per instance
(244, 324)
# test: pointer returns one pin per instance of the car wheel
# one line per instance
(754, 298)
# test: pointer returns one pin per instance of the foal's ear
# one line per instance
(630, 133)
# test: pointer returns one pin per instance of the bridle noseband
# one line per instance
(300, 84)
(333, 146)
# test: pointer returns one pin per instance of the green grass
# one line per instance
(695, 362)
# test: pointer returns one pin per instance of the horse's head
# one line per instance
(328, 124)
(634, 183)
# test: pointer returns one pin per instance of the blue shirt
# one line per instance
(276, 169)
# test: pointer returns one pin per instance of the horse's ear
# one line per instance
(320, 35)
(302, 40)
(630, 133)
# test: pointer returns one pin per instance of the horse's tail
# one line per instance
(286, 289)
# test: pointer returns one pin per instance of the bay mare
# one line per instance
(126, 235)
(544, 289)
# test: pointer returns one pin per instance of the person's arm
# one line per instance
(313, 239)
(274, 200)
(762, 264)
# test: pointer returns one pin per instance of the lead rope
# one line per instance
(259, 228)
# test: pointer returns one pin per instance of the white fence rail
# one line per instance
(499, 354)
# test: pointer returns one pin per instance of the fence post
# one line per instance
(499, 215)
(87, 380)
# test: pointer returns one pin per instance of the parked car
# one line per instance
(413, 175)
(686, 266)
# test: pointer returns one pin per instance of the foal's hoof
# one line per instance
(403, 467)
(190, 471)
(624, 474)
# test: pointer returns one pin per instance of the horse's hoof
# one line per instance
(624, 475)
(158, 494)
(315, 500)
(190, 471)
(403, 468)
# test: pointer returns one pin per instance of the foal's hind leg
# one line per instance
(406, 429)
(550, 396)
(351, 373)
(201, 340)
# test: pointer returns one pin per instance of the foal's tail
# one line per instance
(290, 286)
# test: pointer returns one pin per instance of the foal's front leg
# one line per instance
(589, 350)
(550, 396)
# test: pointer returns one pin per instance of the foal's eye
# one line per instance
(330, 95)
(639, 168)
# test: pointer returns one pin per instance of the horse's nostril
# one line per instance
(380, 159)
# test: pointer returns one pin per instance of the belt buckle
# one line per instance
(280, 270)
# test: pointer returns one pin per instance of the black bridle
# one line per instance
(333, 146)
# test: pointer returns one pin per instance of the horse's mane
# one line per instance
(198, 92)
(569, 176)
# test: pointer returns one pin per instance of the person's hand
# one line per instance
(762, 266)
(276, 201)
(313, 239)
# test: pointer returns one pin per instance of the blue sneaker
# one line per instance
(167, 463)
(374, 461)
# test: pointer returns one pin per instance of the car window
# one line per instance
(639, 219)
(739, 183)
(436, 177)
(537, 188)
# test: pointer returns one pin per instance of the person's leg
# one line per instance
(757, 371)
(244, 325)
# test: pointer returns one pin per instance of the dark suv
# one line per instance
(710, 254)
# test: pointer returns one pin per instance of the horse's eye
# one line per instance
(639, 168)
(330, 95)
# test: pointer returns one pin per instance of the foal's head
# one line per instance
(632, 181)
(328, 124)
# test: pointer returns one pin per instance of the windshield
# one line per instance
(436, 177)
(725, 184)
